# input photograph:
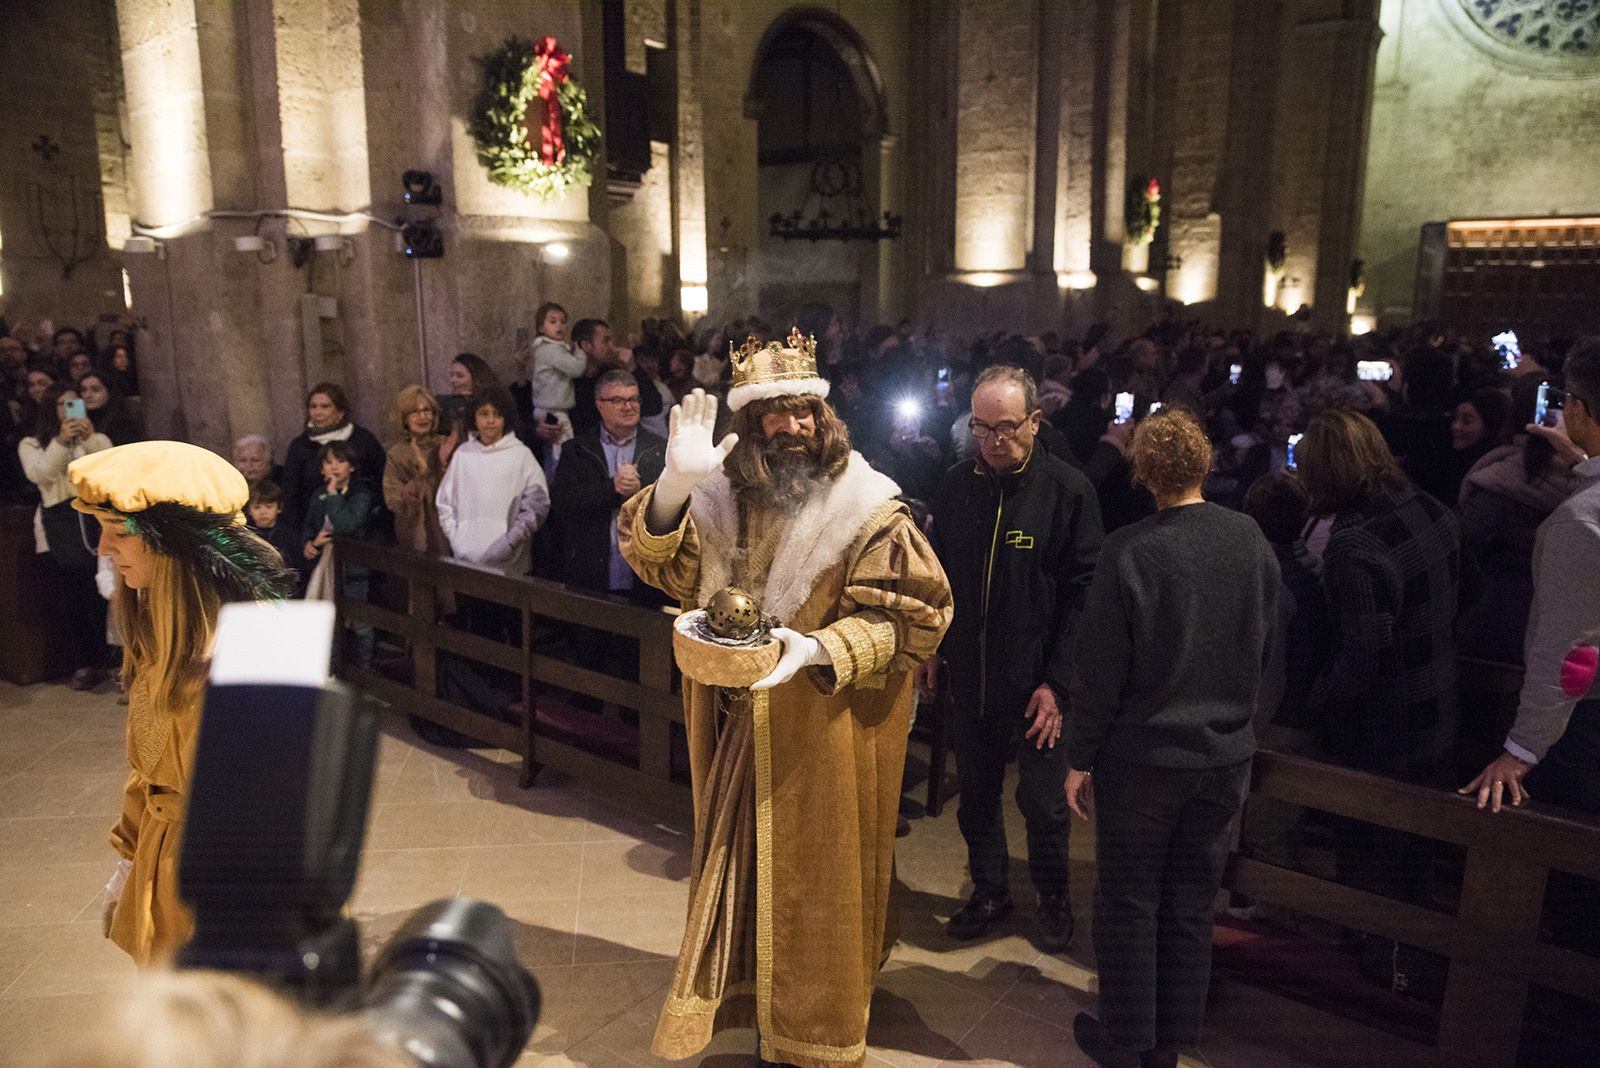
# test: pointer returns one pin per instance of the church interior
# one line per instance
(256, 198)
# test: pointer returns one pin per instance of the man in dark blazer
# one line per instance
(599, 469)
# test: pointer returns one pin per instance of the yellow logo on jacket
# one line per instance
(1018, 540)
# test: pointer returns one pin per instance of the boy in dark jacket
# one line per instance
(265, 512)
(343, 507)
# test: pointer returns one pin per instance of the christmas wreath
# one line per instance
(1144, 211)
(531, 121)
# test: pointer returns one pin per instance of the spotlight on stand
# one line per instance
(420, 188)
(422, 241)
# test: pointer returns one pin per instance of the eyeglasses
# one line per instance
(626, 402)
(1002, 431)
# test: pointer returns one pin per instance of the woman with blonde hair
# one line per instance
(415, 466)
(171, 521)
(1167, 673)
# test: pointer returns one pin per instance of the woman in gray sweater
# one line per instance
(1173, 637)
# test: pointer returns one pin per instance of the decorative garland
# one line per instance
(531, 121)
(1144, 212)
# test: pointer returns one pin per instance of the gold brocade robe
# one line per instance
(796, 796)
(150, 922)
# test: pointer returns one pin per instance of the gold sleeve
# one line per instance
(125, 834)
(896, 608)
(670, 562)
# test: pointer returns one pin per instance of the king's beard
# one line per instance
(793, 469)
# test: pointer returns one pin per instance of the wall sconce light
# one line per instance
(336, 243)
(555, 252)
(144, 246)
(694, 299)
(265, 249)
(420, 188)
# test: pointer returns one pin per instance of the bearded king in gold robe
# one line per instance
(797, 779)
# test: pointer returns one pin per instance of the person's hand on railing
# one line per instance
(1502, 776)
(691, 456)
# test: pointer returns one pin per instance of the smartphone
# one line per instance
(1155, 406)
(1507, 348)
(1124, 407)
(522, 338)
(1294, 439)
(74, 409)
(1234, 371)
(941, 386)
(1549, 399)
(1374, 370)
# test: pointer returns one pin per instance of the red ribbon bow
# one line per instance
(551, 63)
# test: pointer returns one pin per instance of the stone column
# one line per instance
(1350, 46)
(995, 128)
(1109, 174)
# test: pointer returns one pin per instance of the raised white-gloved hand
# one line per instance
(119, 879)
(799, 651)
(691, 456)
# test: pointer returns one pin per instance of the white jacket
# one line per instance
(555, 365)
(491, 500)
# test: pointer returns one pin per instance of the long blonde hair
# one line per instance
(167, 630)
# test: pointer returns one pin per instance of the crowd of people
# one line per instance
(1374, 508)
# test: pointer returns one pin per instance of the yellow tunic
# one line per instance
(796, 796)
(150, 922)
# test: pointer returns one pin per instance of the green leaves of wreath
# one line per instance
(499, 124)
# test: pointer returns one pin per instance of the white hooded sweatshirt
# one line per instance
(491, 500)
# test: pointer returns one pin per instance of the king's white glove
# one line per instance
(691, 456)
(799, 651)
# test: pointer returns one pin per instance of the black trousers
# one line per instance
(1567, 776)
(983, 747)
(1161, 845)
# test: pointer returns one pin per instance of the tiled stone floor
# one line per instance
(596, 888)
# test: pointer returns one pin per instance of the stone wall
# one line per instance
(57, 59)
(1465, 127)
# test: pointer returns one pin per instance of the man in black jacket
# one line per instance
(1017, 531)
(599, 469)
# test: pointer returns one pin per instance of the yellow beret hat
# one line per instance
(130, 478)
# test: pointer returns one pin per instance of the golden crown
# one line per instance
(756, 362)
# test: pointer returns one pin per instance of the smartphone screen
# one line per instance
(1294, 439)
(1509, 350)
(1155, 406)
(1234, 371)
(1548, 401)
(1124, 407)
(74, 409)
(1374, 370)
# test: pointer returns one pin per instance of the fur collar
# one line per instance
(818, 535)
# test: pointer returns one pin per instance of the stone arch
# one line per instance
(818, 102)
(846, 44)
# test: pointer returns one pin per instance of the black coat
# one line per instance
(584, 503)
(1019, 550)
(302, 473)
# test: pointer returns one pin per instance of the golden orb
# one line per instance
(733, 614)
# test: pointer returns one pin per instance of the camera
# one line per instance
(275, 823)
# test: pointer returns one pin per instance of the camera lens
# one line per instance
(448, 990)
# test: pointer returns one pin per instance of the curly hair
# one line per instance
(746, 465)
(1170, 454)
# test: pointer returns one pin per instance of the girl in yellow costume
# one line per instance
(171, 521)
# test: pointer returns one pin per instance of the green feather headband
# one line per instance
(244, 567)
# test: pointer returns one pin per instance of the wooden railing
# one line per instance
(423, 578)
(1492, 941)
